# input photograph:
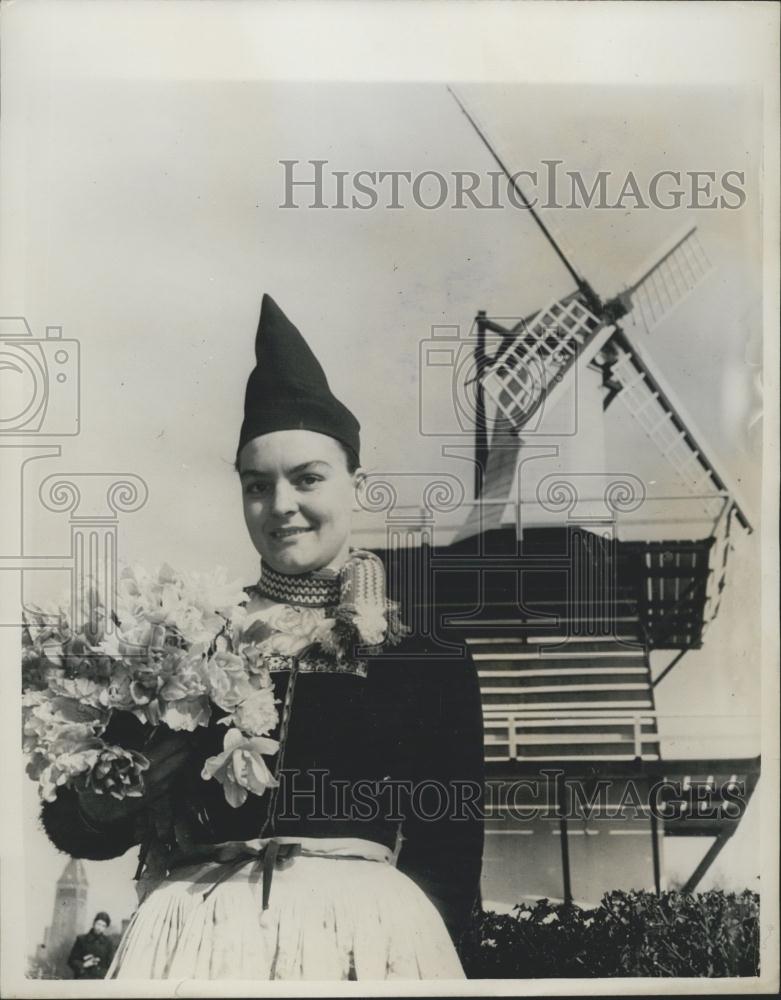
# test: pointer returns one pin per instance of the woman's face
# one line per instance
(298, 498)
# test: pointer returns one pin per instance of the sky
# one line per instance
(146, 223)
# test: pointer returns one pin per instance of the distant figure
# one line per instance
(92, 952)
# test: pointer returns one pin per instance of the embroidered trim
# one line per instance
(325, 665)
(316, 664)
(310, 590)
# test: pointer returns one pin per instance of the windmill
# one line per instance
(558, 691)
(537, 353)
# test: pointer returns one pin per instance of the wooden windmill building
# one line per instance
(564, 578)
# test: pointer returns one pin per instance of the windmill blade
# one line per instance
(664, 422)
(665, 285)
(533, 373)
(538, 359)
(545, 228)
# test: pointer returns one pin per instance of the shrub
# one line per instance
(628, 934)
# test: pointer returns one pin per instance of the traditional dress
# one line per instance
(367, 855)
(364, 861)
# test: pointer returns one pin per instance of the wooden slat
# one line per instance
(561, 655)
(553, 739)
(556, 705)
(563, 723)
(559, 688)
(564, 672)
(576, 757)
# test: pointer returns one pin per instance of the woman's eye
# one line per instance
(309, 481)
(256, 489)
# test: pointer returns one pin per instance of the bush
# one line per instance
(628, 934)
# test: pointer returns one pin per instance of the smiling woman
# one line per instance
(319, 772)
(298, 494)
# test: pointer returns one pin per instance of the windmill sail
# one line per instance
(642, 393)
(524, 382)
(534, 371)
(664, 286)
(574, 330)
(536, 362)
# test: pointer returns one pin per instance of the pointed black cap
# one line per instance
(288, 390)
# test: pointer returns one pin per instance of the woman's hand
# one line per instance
(166, 755)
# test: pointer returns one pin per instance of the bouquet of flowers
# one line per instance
(175, 653)
(179, 651)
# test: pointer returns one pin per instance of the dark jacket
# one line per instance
(99, 945)
(354, 749)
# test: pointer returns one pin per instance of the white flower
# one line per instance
(240, 768)
(80, 689)
(73, 752)
(187, 714)
(118, 692)
(188, 678)
(257, 715)
(214, 594)
(142, 641)
(65, 767)
(192, 606)
(296, 621)
(55, 718)
(228, 680)
(185, 694)
(280, 630)
(257, 664)
(325, 637)
(283, 644)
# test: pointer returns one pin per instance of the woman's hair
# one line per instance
(353, 462)
(350, 458)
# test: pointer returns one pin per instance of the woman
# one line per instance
(363, 862)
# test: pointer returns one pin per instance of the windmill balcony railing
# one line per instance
(442, 521)
(665, 553)
(523, 733)
(640, 734)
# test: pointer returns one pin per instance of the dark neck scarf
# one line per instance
(317, 589)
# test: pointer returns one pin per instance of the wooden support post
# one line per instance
(512, 738)
(655, 853)
(669, 667)
(637, 722)
(710, 856)
(481, 428)
(565, 869)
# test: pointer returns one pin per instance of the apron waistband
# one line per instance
(276, 852)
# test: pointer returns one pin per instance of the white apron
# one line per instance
(339, 910)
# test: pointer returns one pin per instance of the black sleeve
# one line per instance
(71, 832)
(76, 956)
(442, 847)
